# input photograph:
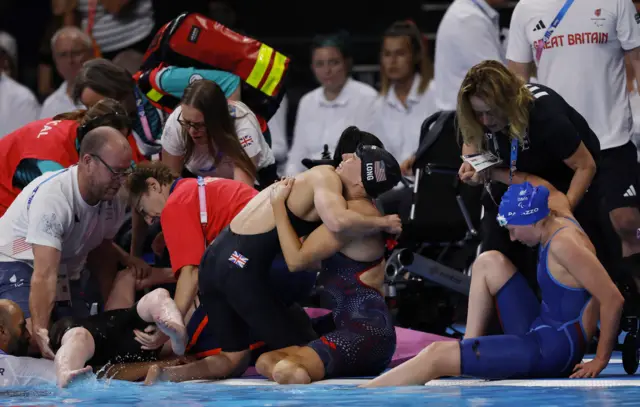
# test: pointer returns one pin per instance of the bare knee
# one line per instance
(158, 294)
(494, 268)
(77, 335)
(289, 371)
(266, 362)
(151, 299)
(236, 363)
(78, 338)
(437, 351)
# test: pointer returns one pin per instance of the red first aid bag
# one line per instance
(193, 40)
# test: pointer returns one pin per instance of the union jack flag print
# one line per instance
(238, 259)
(246, 141)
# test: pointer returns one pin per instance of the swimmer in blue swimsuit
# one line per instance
(546, 339)
(351, 277)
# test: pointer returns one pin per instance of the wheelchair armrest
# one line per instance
(431, 168)
(467, 217)
(309, 163)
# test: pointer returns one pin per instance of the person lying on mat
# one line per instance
(234, 271)
(351, 276)
(99, 340)
(540, 340)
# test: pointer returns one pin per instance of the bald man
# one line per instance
(14, 341)
(59, 223)
(70, 48)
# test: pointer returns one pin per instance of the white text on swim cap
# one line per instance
(369, 168)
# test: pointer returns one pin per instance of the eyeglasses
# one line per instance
(187, 124)
(114, 173)
(74, 53)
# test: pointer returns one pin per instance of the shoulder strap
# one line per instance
(554, 235)
(202, 197)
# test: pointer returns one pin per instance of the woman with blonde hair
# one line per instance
(406, 90)
(530, 128)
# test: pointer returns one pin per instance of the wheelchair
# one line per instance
(441, 219)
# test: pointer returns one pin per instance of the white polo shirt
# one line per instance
(56, 215)
(278, 130)
(584, 59)
(18, 106)
(26, 371)
(201, 163)
(59, 102)
(320, 121)
(634, 99)
(457, 50)
(397, 126)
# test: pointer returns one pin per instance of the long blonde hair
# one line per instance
(503, 91)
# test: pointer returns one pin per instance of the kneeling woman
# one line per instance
(352, 275)
(192, 213)
(547, 340)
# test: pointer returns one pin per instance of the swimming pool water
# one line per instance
(116, 394)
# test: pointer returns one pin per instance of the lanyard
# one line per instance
(143, 116)
(547, 35)
(482, 9)
(203, 208)
(202, 198)
(514, 159)
(33, 193)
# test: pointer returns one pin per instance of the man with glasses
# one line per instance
(61, 221)
(70, 47)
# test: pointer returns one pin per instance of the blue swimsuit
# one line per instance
(541, 340)
(364, 340)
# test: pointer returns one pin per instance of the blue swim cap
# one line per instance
(523, 204)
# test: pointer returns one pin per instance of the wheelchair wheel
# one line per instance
(630, 354)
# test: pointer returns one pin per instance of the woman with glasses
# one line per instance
(210, 136)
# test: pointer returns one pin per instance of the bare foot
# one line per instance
(176, 331)
(66, 378)
(288, 372)
(167, 316)
(154, 375)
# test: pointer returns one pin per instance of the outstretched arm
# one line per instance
(584, 266)
(332, 208)
(319, 245)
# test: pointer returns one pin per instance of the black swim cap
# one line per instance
(380, 171)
